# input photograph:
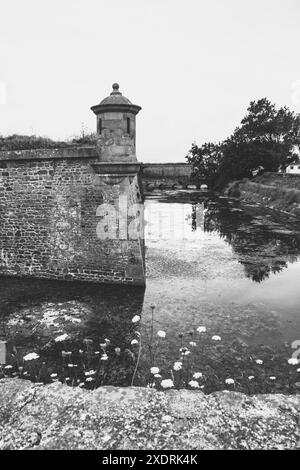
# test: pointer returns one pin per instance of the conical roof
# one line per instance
(115, 97)
(115, 102)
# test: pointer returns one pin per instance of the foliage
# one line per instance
(25, 142)
(265, 141)
(206, 160)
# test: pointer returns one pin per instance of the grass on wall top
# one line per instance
(31, 142)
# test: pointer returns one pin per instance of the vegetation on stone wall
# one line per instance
(31, 142)
(264, 141)
(274, 191)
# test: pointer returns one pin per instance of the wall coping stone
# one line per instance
(60, 417)
(49, 154)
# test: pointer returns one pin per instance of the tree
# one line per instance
(266, 139)
(206, 160)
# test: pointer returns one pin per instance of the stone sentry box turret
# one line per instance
(76, 213)
(117, 178)
(116, 127)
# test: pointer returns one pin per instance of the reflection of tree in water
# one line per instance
(263, 247)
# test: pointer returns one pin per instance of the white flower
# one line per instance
(31, 356)
(193, 344)
(70, 365)
(8, 367)
(167, 383)
(157, 376)
(161, 334)
(272, 377)
(201, 329)
(197, 375)
(251, 377)
(134, 341)
(81, 384)
(154, 370)
(89, 379)
(89, 372)
(216, 338)
(61, 338)
(104, 357)
(298, 370)
(194, 384)
(259, 361)
(136, 318)
(177, 365)
(53, 376)
(293, 361)
(229, 381)
(184, 351)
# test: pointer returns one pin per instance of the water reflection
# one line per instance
(263, 246)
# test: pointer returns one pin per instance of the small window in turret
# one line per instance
(128, 125)
(100, 126)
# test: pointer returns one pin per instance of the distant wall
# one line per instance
(49, 219)
(166, 174)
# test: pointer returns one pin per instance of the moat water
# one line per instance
(232, 270)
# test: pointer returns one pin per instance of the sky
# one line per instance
(193, 66)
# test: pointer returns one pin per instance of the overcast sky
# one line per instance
(192, 65)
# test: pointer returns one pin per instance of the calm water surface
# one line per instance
(210, 262)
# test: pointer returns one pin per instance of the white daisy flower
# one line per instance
(167, 383)
(216, 338)
(161, 334)
(293, 361)
(201, 329)
(60, 338)
(197, 375)
(31, 357)
(229, 381)
(194, 384)
(136, 318)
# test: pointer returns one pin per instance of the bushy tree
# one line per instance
(206, 160)
(266, 140)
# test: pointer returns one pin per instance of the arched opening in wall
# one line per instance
(128, 125)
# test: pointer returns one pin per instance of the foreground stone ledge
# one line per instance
(60, 417)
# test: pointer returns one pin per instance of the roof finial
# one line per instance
(115, 89)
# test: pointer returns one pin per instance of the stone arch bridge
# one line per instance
(168, 176)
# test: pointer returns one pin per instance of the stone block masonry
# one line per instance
(50, 217)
